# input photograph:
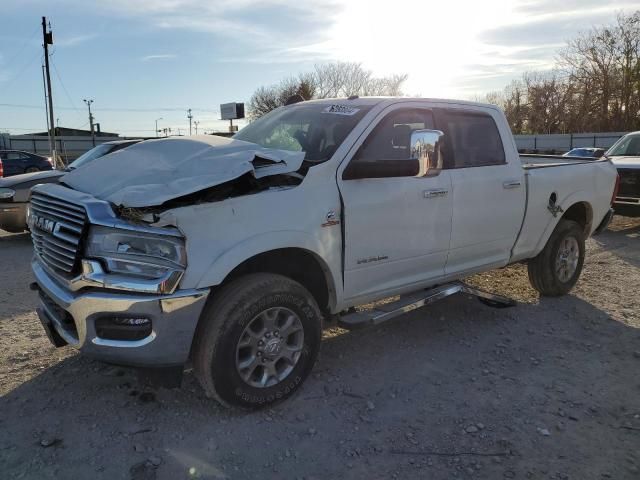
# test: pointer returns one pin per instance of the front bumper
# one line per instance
(71, 316)
(13, 217)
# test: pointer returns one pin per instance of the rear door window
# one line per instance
(472, 140)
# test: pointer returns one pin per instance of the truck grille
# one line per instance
(629, 182)
(57, 227)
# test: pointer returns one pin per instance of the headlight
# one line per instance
(6, 193)
(136, 253)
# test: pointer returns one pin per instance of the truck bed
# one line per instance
(530, 161)
(564, 186)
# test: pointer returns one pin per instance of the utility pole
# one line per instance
(47, 39)
(196, 122)
(46, 108)
(93, 135)
(190, 117)
(158, 131)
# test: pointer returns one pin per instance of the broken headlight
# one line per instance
(136, 253)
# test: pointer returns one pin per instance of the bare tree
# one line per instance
(595, 86)
(327, 80)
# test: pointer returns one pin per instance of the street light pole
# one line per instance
(196, 122)
(190, 117)
(157, 131)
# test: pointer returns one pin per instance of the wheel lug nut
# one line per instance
(259, 354)
(276, 333)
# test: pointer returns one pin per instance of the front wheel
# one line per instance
(557, 267)
(257, 341)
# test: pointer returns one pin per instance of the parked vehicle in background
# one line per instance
(233, 253)
(625, 155)
(15, 162)
(585, 152)
(15, 192)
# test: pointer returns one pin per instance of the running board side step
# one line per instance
(407, 303)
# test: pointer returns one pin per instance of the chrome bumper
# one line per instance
(72, 316)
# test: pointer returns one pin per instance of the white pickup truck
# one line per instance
(625, 156)
(233, 253)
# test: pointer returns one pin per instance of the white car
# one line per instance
(625, 155)
(233, 253)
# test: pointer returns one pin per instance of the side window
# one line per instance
(14, 156)
(473, 140)
(390, 139)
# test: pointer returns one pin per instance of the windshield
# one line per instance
(91, 155)
(316, 129)
(627, 145)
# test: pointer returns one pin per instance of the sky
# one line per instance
(142, 60)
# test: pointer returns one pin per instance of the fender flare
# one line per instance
(225, 263)
(581, 196)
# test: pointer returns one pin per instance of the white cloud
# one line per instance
(72, 40)
(159, 56)
(439, 44)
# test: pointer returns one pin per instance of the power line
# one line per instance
(35, 129)
(26, 42)
(73, 105)
(21, 71)
(114, 109)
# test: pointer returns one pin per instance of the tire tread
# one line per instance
(540, 268)
(216, 320)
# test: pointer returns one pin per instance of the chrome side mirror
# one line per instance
(425, 147)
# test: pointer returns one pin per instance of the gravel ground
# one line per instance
(546, 390)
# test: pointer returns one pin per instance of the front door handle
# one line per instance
(511, 184)
(435, 193)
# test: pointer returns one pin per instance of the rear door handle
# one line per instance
(511, 184)
(435, 193)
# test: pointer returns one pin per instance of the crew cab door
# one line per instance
(397, 226)
(489, 191)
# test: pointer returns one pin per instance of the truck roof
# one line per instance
(390, 100)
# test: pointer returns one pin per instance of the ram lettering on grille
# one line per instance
(56, 227)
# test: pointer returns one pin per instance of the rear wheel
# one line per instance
(257, 341)
(557, 267)
(32, 170)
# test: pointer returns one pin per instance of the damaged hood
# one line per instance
(150, 173)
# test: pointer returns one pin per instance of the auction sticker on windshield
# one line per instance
(341, 110)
